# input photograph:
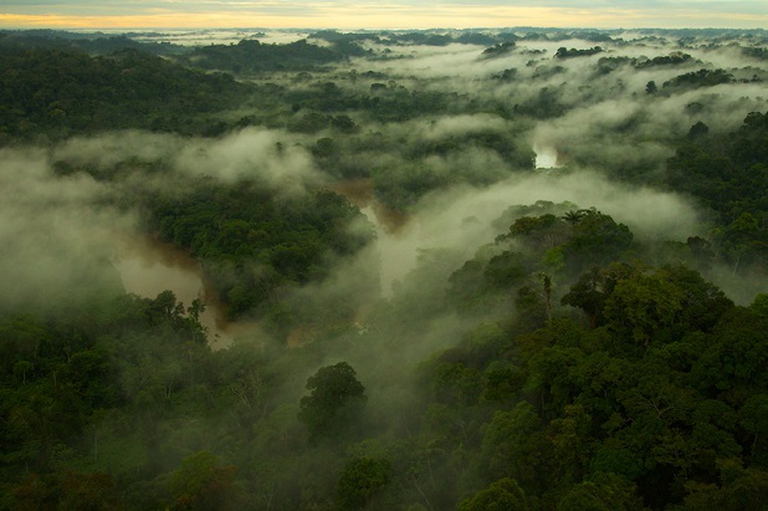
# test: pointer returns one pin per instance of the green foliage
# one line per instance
(673, 59)
(726, 173)
(584, 237)
(478, 286)
(200, 483)
(252, 243)
(554, 371)
(127, 89)
(335, 402)
(734, 360)
(250, 56)
(565, 53)
(499, 50)
(515, 446)
(502, 495)
(456, 384)
(360, 480)
(643, 309)
(547, 103)
(738, 488)
(597, 239)
(93, 43)
(608, 492)
(760, 305)
(71, 492)
(700, 78)
(444, 162)
(72, 384)
(661, 304)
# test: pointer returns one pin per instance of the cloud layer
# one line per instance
(353, 14)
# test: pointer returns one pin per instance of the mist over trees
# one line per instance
(520, 269)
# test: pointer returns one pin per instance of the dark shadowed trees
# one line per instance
(360, 480)
(335, 402)
(503, 495)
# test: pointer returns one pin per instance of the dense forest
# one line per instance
(518, 269)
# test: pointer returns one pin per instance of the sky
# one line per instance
(378, 14)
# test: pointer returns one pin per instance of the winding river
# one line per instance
(147, 267)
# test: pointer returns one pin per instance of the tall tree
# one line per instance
(336, 401)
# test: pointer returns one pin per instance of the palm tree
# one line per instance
(573, 217)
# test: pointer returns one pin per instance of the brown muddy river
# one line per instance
(147, 267)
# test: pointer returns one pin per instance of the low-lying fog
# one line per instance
(42, 211)
(610, 126)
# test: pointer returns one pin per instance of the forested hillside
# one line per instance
(518, 269)
(62, 92)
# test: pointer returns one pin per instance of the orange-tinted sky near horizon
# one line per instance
(350, 14)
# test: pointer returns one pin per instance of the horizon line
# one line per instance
(379, 29)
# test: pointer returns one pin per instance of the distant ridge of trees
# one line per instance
(125, 89)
